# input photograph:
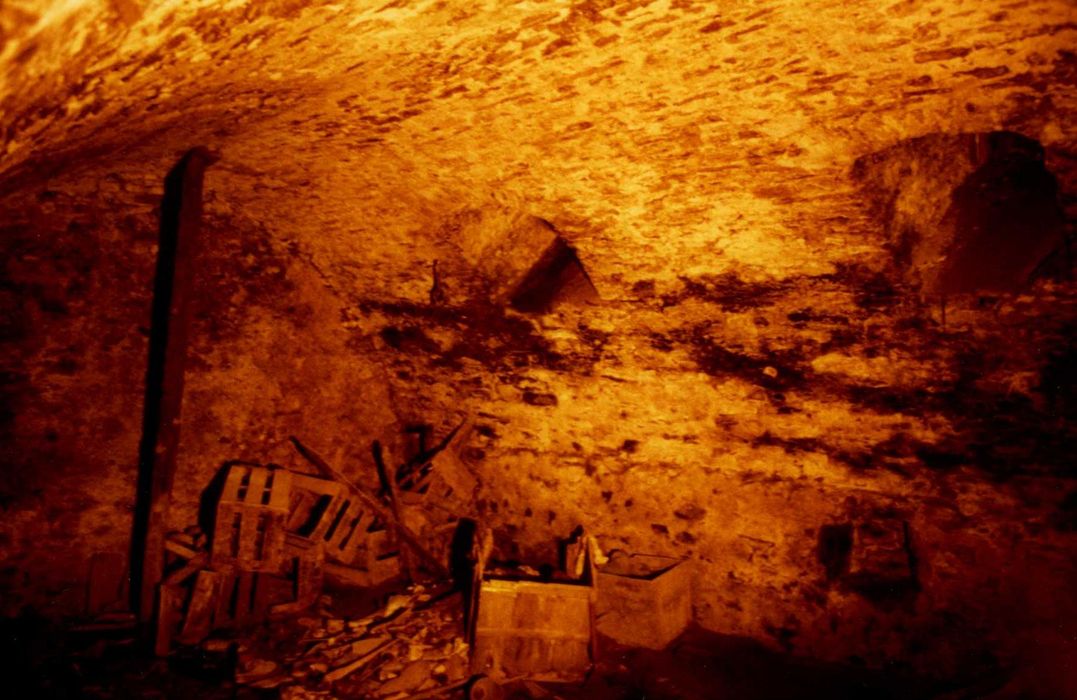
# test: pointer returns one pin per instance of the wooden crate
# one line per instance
(443, 485)
(328, 513)
(536, 629)
(248, 533)
(644, 600)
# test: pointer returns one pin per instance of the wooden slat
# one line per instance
(200, 610)
(232, 482)
(248, 524)
(387, 471)
(315, 485)
(256, 486)
(280, 496)
(303, 503)
(168, 603)
(224, 615)
(245, 591)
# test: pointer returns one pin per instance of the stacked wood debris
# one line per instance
(414, 644)
(252, 567)
(278, 535)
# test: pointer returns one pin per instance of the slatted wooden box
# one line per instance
(444, 485)
(248, 533)
(540, 630)
(644, 600)
(329, 514)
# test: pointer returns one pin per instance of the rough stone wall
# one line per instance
(730, 423)
(268, 358)
(755, 372)
(74, 286)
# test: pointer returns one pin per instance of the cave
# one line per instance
(591, 349)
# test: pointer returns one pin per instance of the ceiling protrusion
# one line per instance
(965, 213)
(557, 277)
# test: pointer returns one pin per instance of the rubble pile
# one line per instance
(415, 643)
(250, 601)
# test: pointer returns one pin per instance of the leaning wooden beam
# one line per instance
(181, 212)
(382, 460)
(405, 534)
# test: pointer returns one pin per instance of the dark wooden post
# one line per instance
(181, 212)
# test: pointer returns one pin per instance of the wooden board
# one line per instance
(201, 608)
(169, 610)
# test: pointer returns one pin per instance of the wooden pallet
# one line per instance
(250, 526)
(243, 599)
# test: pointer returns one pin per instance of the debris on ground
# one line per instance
(414, 643)
(251, 597)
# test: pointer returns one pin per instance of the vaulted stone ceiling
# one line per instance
(757, 365)
(662, 138)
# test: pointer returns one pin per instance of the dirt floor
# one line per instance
(49, 663)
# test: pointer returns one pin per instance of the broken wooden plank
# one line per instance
(357, 648)
(187, 570)
(351, 666)
(180, 549)
(199, 620)
(169, 601)
(388, 477)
